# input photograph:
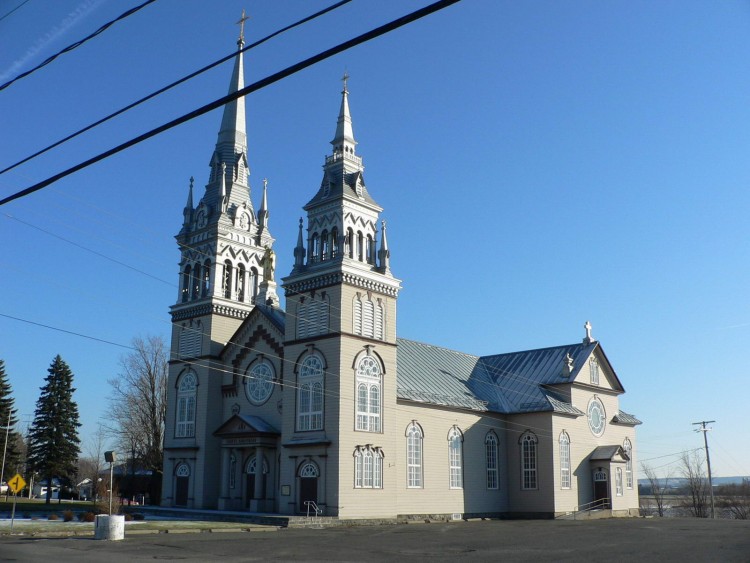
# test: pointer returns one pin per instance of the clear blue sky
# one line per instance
(540, 164)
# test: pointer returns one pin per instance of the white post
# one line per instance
(111, 465)
(5, 449)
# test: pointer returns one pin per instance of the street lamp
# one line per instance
(110, 457)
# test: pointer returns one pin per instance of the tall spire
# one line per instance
(232, 129)
(344, 141)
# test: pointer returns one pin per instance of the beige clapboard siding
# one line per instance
(539, 499)
(436, 496)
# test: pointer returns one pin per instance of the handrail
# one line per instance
(311, 504)
(593, 505)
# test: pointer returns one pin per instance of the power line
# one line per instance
(77, 44)
(172, 85)
(13, 10)
(66, 331)
(363, 38)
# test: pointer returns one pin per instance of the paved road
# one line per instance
(611, 540)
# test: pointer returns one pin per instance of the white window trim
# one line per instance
(414, 457)
(565, 479)
(368, 468)
(187, 390)
(368, 415)
(529, 474)
(455, 458)
(492, 460)
(310, 390)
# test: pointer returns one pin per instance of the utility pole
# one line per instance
(708, 459)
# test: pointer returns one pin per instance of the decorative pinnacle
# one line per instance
(241, 23)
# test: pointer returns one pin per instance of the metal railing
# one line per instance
(597, 504)
(314, 507)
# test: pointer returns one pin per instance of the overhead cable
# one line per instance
(363, 38)
(78, 43)
(173, 84)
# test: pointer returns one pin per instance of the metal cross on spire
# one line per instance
(241, 23)
(344, 79)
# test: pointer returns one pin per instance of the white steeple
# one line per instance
(343, 140)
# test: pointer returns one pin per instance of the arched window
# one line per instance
(628, 447)
(491, 457)
(360, 246)
(187, 387)
(253, 283)
(350, 243)
(310, 394)
(564, 460)
(240, 283)
(455, 454)
(414, 456)
(309, 471)
(334, 242)
(186, 276)
(206, 278)
(195, 282)
(315, 248)
(594, 370)
(226, 286)
(259, 382)
(368, 468)
(325, 248)
(368, 395)
(370, 250)
(528, 461)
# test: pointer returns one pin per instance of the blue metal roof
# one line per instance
(504, 383)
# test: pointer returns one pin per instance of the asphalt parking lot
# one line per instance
(612, 540)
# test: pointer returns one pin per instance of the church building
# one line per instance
(320, 407)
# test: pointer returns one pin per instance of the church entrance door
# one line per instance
(181, 491)
(308, 487)
(601, 487)
(308, 492)
(181, 484)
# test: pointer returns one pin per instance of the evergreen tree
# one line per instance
(8, 438)
(53, 438)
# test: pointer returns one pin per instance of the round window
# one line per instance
(259, 383)
(596, 417)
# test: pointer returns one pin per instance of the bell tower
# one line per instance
(223, 246)
(341, 318)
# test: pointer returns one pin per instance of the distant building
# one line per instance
(321, 405)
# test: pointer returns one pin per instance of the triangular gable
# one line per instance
(581, 375)
(245, 425)
(260, 315)
(262, 329)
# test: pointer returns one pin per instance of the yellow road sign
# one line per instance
(16, 483)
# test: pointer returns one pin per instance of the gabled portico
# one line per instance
(249, 457)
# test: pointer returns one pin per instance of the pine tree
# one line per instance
(53, 438)
(8, 437)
